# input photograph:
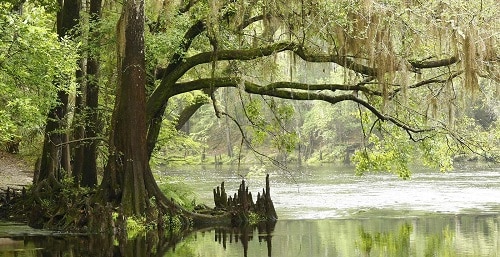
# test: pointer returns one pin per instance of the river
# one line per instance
(326, 211)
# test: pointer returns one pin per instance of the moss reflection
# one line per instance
(385, 243)
(399, 243)
(440, 244)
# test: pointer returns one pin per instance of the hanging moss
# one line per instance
(469, 62)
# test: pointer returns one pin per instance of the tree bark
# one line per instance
(50, 162)
(128, 161)
(79, 130)
(89, 173)
(55, 153)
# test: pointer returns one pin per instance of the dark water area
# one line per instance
(323, 211)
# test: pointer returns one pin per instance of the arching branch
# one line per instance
(195, 30)
(163, 92)
(191, 109)
(251, 20)
(427, 64)
(295, 91)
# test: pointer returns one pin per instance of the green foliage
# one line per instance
(70, 191)
(178, 191)
(389, 244)
(174, 223)
(329, 129)
(8, 127)
(164, 40)
(136, 226)
(32, 58)
(436, 153)
(174, 146)
(389, 155)
(270, 125)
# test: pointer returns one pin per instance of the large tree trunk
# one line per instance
(128, 162)
(89, 172)
(79, 129)
(50, 162)
(55, 156)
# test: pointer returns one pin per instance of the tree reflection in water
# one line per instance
(245, 234)
(150, 244)
(439, 235)
(398, 243)
(99, 245)
(387, 243)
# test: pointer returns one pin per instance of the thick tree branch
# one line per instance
(294, 91)
(195, 30)
(249, 21)
(426, 64)
(163, 92)
(254, 53)
(191, 109)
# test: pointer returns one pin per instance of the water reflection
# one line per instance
(151, 244)
(49, 244)
(245, 234)
(393, 243)
(326, 212)
(431, 235)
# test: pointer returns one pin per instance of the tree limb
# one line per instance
(434, 64)
(195, 30)
(162, 92)
(293, 93)
(249, 21)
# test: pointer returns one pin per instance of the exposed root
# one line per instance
(64, 207)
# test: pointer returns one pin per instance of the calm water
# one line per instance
(324, 211)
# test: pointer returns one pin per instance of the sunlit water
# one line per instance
(336, 192)
(328, 211)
